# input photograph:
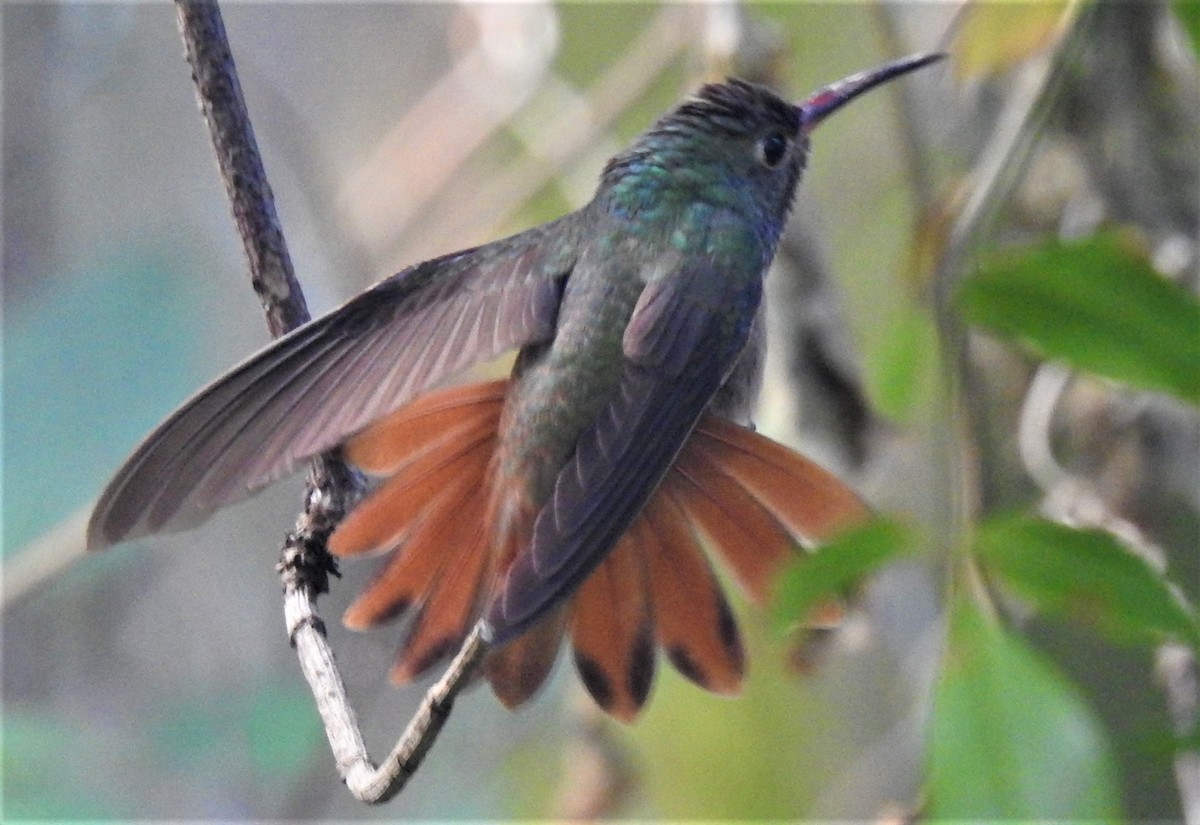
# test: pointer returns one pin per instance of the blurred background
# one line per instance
(155, 681)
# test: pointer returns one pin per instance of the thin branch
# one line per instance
(599, 777)
(42, 560)
(305, 563)
(997, 171)
(250, 195)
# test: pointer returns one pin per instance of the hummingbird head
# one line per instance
(735, 144)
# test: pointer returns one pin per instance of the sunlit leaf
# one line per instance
(1085, 574)
(1011, 738)
(996, 36)
(1097, 304)
(837, 566)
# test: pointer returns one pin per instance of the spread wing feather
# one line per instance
(309, 390)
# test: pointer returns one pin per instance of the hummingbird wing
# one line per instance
(683, 338)
(310, 389)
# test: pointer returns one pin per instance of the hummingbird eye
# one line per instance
(771, 149)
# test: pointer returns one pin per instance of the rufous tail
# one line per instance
(749, 499)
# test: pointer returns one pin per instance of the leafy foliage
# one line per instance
(1085, 574)
(841, 563)
(1097, 304)
(1188, 12)
(1011, 738)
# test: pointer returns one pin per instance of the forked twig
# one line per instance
(305, 564)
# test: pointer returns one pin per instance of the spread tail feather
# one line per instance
(434, 514)
(518, 669)
(753, 543)
(432, 422)
(432, 509)
(693, 622)
(811, 502)
(612, 630)
(454, 600)
(405, 500)
(753, 501)
(411, 569)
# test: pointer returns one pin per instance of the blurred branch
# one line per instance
(1132, 111)
(456, 115)
(996, 174)
(305, 563)
(913, 130)
(1134, 134)
(1138, 123)
(1175, 666)
(551, 146)
(599, 777)
(42, 560)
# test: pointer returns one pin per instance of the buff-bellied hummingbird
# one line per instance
(574, 497)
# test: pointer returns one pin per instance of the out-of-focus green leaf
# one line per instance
(994, 37)
(1086, 574)
(900, 370)
(836, 567)
(1011, 738)
(1188, 12)
(770, 747)
(1097, 304)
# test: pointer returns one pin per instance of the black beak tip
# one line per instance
(828, 100)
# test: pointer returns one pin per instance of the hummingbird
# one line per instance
(576, 498)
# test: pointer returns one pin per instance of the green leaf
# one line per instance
(838, 565)
(1011, 738)
(994, 37)
(1096, 304)
(900, 370)
(1086, 574)
(1188, 12)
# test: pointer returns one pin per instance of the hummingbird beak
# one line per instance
(828, 100)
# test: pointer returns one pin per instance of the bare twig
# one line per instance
(242, 171)
(305, 563)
